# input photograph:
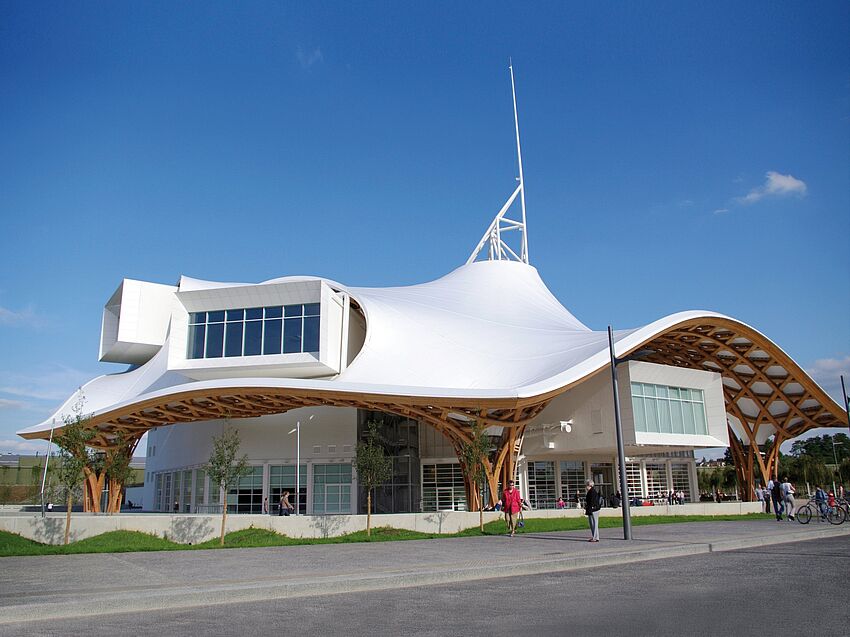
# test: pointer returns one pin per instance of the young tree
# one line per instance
(474, 457)
(224, 468)
(374, 467)
(73, 458)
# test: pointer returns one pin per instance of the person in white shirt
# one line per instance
(788, 493)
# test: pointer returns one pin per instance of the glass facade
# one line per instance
(281, 329)
(443, 487)
(656, 481)
(200, 487)
(400, 440)
(331, 488)
(669, 410)
(572, 480)
(247, 495)
(633, 481)
(282, 478)
(541, 484)
(681, 479)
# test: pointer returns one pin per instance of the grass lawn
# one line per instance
(12, 544)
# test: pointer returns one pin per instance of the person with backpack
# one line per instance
(592, 504)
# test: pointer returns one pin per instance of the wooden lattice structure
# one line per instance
(766, 393)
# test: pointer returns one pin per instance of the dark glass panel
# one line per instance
(235, 315)
(274, 312)
(312, 309)
(215, 317)
(292, 335)
(254, 313)
(292, 310)
(271, 339)
(233, 343)
(311, 334)
(196, 341)
(215, 340)
(253, 338)
(198, 317)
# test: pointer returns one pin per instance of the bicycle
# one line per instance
(832, 514)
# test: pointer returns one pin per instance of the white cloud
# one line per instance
(53, 383)
(721, 211)
(25, 317)
(13, 404)
(22, 446)
(775, 185)
(308, 58)
(827, 371)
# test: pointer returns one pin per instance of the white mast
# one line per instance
(498, 250)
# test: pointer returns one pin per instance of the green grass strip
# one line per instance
(12, 544)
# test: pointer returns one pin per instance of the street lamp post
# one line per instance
(46, 460)
(297, 432)
(621, 454)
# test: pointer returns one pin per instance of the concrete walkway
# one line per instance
(33, 588)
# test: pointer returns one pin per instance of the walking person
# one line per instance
(591, 510)
(512, 503)
(788, 491)
(777, 497)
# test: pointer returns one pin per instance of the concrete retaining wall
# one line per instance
(193, 529)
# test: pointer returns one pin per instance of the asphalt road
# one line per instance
(789, 589)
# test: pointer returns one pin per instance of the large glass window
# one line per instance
(200, 488)
(247, 495)
(662, 409)
(541, 484)
(443, 487)
(286, 329)
(572, 480)
(331, 488)
(633, 481)
(681, 479)
(282, 478)
(656, 481)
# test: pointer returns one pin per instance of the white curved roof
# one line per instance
(489, 329)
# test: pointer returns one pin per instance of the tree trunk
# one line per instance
(368, 512)
(481, 512)
(68, 517)
(223, 520)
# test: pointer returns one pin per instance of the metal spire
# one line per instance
(498, 250)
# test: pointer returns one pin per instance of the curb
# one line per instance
(187, 596)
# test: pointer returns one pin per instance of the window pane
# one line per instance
(215, 317)
(688, 412)
(253, 337)
(235, 315)
(665, 426)
(640, 418)
(197, 334)
(651, 416)
(637, 390)
(198, 317)
(699, 417)
(661, 392)
(271, 339)
(234, 339)
(292, 310)
(676, 413)
(311, 334)
(312, 309)
(274, 312)
(254, 313)
(292, 335)
(215, 339)
(673, 392)
(648, 390)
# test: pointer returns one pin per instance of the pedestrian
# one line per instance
(560, 503)
(776, 496)
(788, 493)
(512, 504)
(285, 504)
(760, 497)
(591, 510)
(265, 506)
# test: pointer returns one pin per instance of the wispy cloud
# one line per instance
(775, 185)
(721, 211)
(22, 446)
(309, 58)
(23, 317)
(53, 382)
(5, 403)
(826, 373)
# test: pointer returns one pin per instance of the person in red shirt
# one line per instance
(512, 501)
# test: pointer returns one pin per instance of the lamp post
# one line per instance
(46, 460)
(297, 432)
(621, 453)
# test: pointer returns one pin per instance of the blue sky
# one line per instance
(677, 156)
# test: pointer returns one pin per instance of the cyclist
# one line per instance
(820, 500)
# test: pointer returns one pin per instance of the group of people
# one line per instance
(284, 505)
(512, 505)
(676, 497)
(779, 493)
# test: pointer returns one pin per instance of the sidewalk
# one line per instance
(76, 585)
